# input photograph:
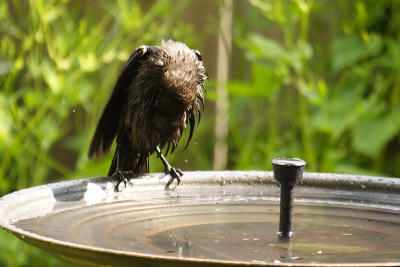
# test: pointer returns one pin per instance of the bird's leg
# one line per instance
(168, 169)
(120, 175)
(121, 178)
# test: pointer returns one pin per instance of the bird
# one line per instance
(158, 93)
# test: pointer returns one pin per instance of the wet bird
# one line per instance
(157, 94)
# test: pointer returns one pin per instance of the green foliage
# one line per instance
(58, 67)
(17, 253)
(335, 103)
(58, 63)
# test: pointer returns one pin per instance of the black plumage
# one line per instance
(158, 92)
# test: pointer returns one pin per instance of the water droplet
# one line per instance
(180, 251)
(73, 110)
(257, 261)
(296, 258)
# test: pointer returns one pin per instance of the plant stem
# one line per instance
(302, 103)
(221, 120)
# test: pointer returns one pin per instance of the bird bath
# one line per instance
(213, 218)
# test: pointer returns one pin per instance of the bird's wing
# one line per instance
(108, 125)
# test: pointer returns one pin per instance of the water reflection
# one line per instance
(285, 247)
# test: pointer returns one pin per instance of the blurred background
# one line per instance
(318, 80)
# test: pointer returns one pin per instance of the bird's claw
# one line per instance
(121, 179)
(175, 174)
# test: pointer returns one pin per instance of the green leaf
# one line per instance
(339, 113)
(371, 134)
(5, 120)
(88, 62)
(265, 48)
(346, 51)
(265, 83)
(350, 50)
(3, 10)
(309, 91)
(391, 59)
(53, 79)
(305, 50)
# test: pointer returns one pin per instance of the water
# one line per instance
(232, 223)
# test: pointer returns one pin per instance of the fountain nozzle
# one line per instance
(287, 172)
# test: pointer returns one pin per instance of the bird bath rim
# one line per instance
(10, 208)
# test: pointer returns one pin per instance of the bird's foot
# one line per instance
(121, 177)
(175, 174)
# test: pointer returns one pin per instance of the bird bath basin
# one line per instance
(213, 218)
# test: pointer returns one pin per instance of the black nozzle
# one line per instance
(287, 172)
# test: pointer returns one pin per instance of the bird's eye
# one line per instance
(198, 55)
